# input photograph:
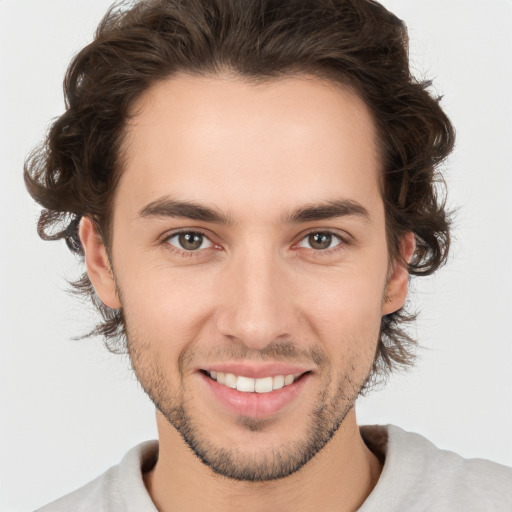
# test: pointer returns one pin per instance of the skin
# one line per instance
(256, 289)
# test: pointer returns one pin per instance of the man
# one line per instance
(251, 185)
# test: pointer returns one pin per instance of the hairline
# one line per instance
(320, 75)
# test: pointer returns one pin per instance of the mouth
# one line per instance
(255, 397)
(250, 385)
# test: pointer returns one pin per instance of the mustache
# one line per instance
(281, 351)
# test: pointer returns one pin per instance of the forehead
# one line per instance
(248, 147)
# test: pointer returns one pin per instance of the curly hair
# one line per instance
(355, 43)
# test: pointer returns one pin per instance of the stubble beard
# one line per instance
(321, 423)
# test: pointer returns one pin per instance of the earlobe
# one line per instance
(98, 264)
(398, 283)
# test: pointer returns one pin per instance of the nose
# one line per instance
(256, 303)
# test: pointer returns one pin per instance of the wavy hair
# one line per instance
(355, 43)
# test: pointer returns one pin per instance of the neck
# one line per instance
(339, 477)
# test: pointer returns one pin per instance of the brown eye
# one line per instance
(320, 241)
(189, 241)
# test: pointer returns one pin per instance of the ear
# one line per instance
(398, 283)
(98, 264)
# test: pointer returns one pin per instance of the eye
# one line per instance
(189, 241)
(320, 241)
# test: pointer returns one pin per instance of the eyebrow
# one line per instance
(169, 207)
(328, 210)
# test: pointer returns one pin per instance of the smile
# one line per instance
(249, 385)
(267, 393)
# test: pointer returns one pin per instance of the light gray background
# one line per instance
(70, 409)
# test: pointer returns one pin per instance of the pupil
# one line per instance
(320, 240)
(191, 241)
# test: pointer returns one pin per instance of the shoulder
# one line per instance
(101, 494)
(419, 476)
(119, 488)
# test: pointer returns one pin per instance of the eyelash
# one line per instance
(343, 242)
(182, 252)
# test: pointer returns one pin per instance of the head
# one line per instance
(145, 95)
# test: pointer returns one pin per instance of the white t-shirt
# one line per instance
(416, 477)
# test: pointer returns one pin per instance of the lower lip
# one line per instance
(255, 405)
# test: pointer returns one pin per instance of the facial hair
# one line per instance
(322, 422)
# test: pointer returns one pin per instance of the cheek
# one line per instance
(348, 324)
(167, 306)
(344, 299)
(344, 316)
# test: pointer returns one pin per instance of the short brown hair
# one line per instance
(353, 42)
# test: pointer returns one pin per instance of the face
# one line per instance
(251, 264)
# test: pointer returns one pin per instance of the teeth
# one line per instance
(278, 382)
(230, 381)
(263, 385)
(245, 384)
(248, 385)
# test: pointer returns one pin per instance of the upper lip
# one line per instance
(256, 370)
